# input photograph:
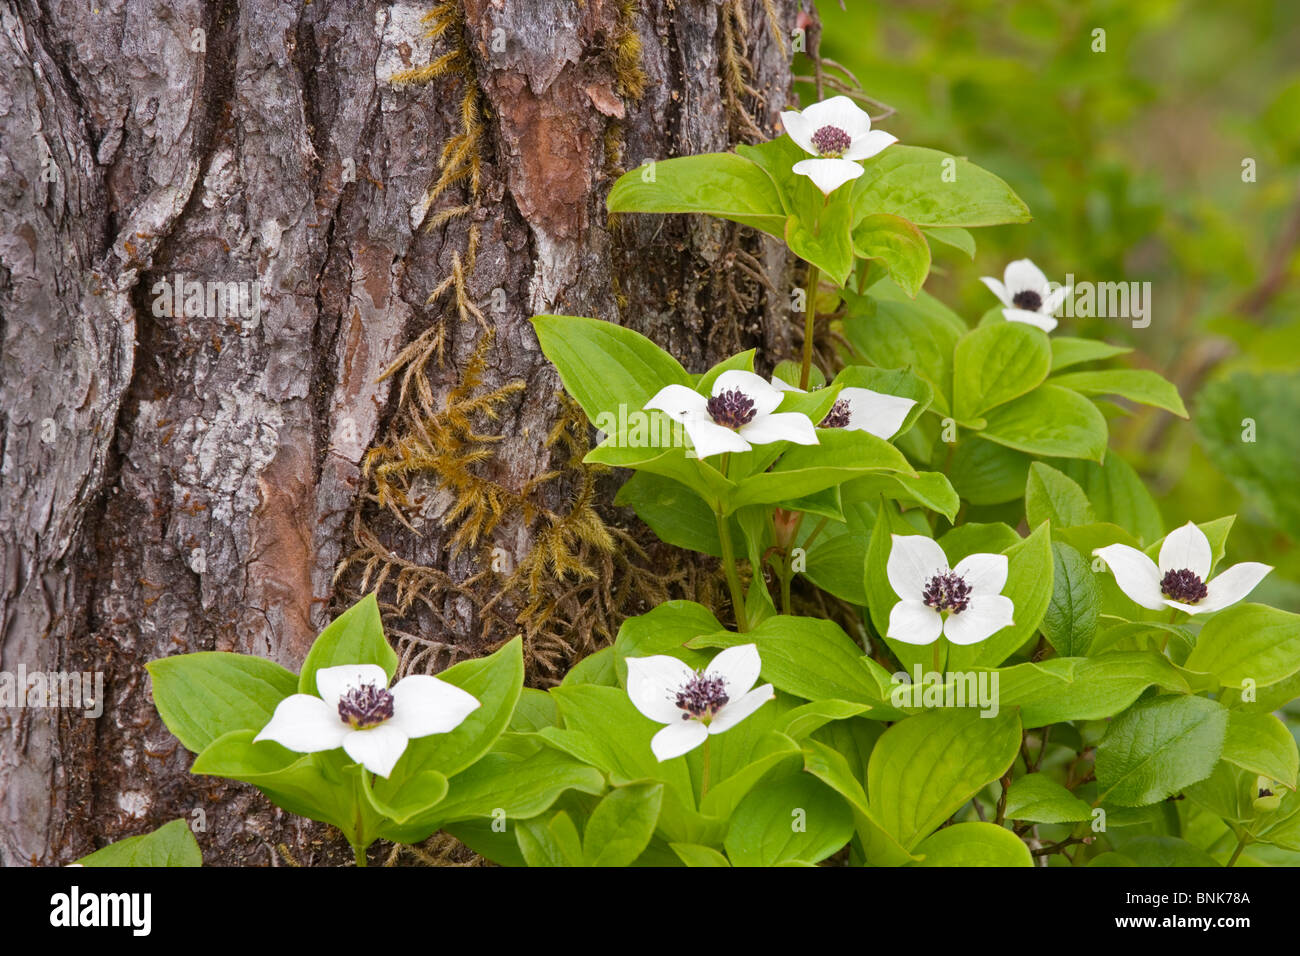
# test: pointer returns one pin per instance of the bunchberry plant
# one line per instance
(1024, 667)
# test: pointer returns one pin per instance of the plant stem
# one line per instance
(359, 852)
(786, 575)
(1241, 845)
(704, 783)
(810, 320)
(729, 568)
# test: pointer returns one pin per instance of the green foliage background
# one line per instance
(1131, 162)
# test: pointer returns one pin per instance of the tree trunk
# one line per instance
(180, 472)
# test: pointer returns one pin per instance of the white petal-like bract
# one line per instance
(913, 560)
(424, 705)
(305, 725)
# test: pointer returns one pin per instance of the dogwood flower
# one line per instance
(357, 712)
(1027, 295)
(861, 409)
(965, 604)
(740, 413)
(695, 704)
(837, 132)
(1180, 579)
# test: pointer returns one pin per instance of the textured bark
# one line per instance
(172, 484)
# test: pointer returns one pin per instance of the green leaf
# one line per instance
(202, 696)
(1050, 421)
(1068, 351)
(717, 184)
(534, 711)
(693, 854)
(931, 188)
(1038, 798)
(597, 668)
(1137, 385)
(995, 364)
(898, 245)
(622, 824)
(880, 848)
(1117, 494)
(1247, 425)
(974, 844)
(517, 780)
(1074, 610)
(549, 842)
(172, 844)
(354, 637)
(1157, 747)
(1261, 744)
(821, 234)
(891, 331)
(925, 767)
(985, 473)
(955, 237)
(1075, 688)
(310, 785)
(1051, 496)
(788, 819)
(675, 513)
(807, 469)
(603, 365)
(1248, 642)
(1164, 852)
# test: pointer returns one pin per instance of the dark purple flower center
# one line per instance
(731, 408)
(1183, 586)
(831, 141)
(1027, 299)
(702, 697)
(947, 592)
(1264, 793)
(366, 706)
(838, 416)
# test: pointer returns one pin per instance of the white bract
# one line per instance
(861, 409)
(965, 604)
(740, 413)
(357, 712)
(1027, 295)
(838, 133)
(1180, 579)
(695, 704)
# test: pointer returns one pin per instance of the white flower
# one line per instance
(1027, 295)
(373, 725)
(838, 132)
(740, 413)
(970, 594)
(861, 409)
(1180, 579)
(695, 704)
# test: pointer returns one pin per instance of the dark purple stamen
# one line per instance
(702, 697)
(731, 409)
(1265, 792)
(831, 141)
(838, 416)
(365, 706)
(947, 592)
(1028, 300)
(1184, 586)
